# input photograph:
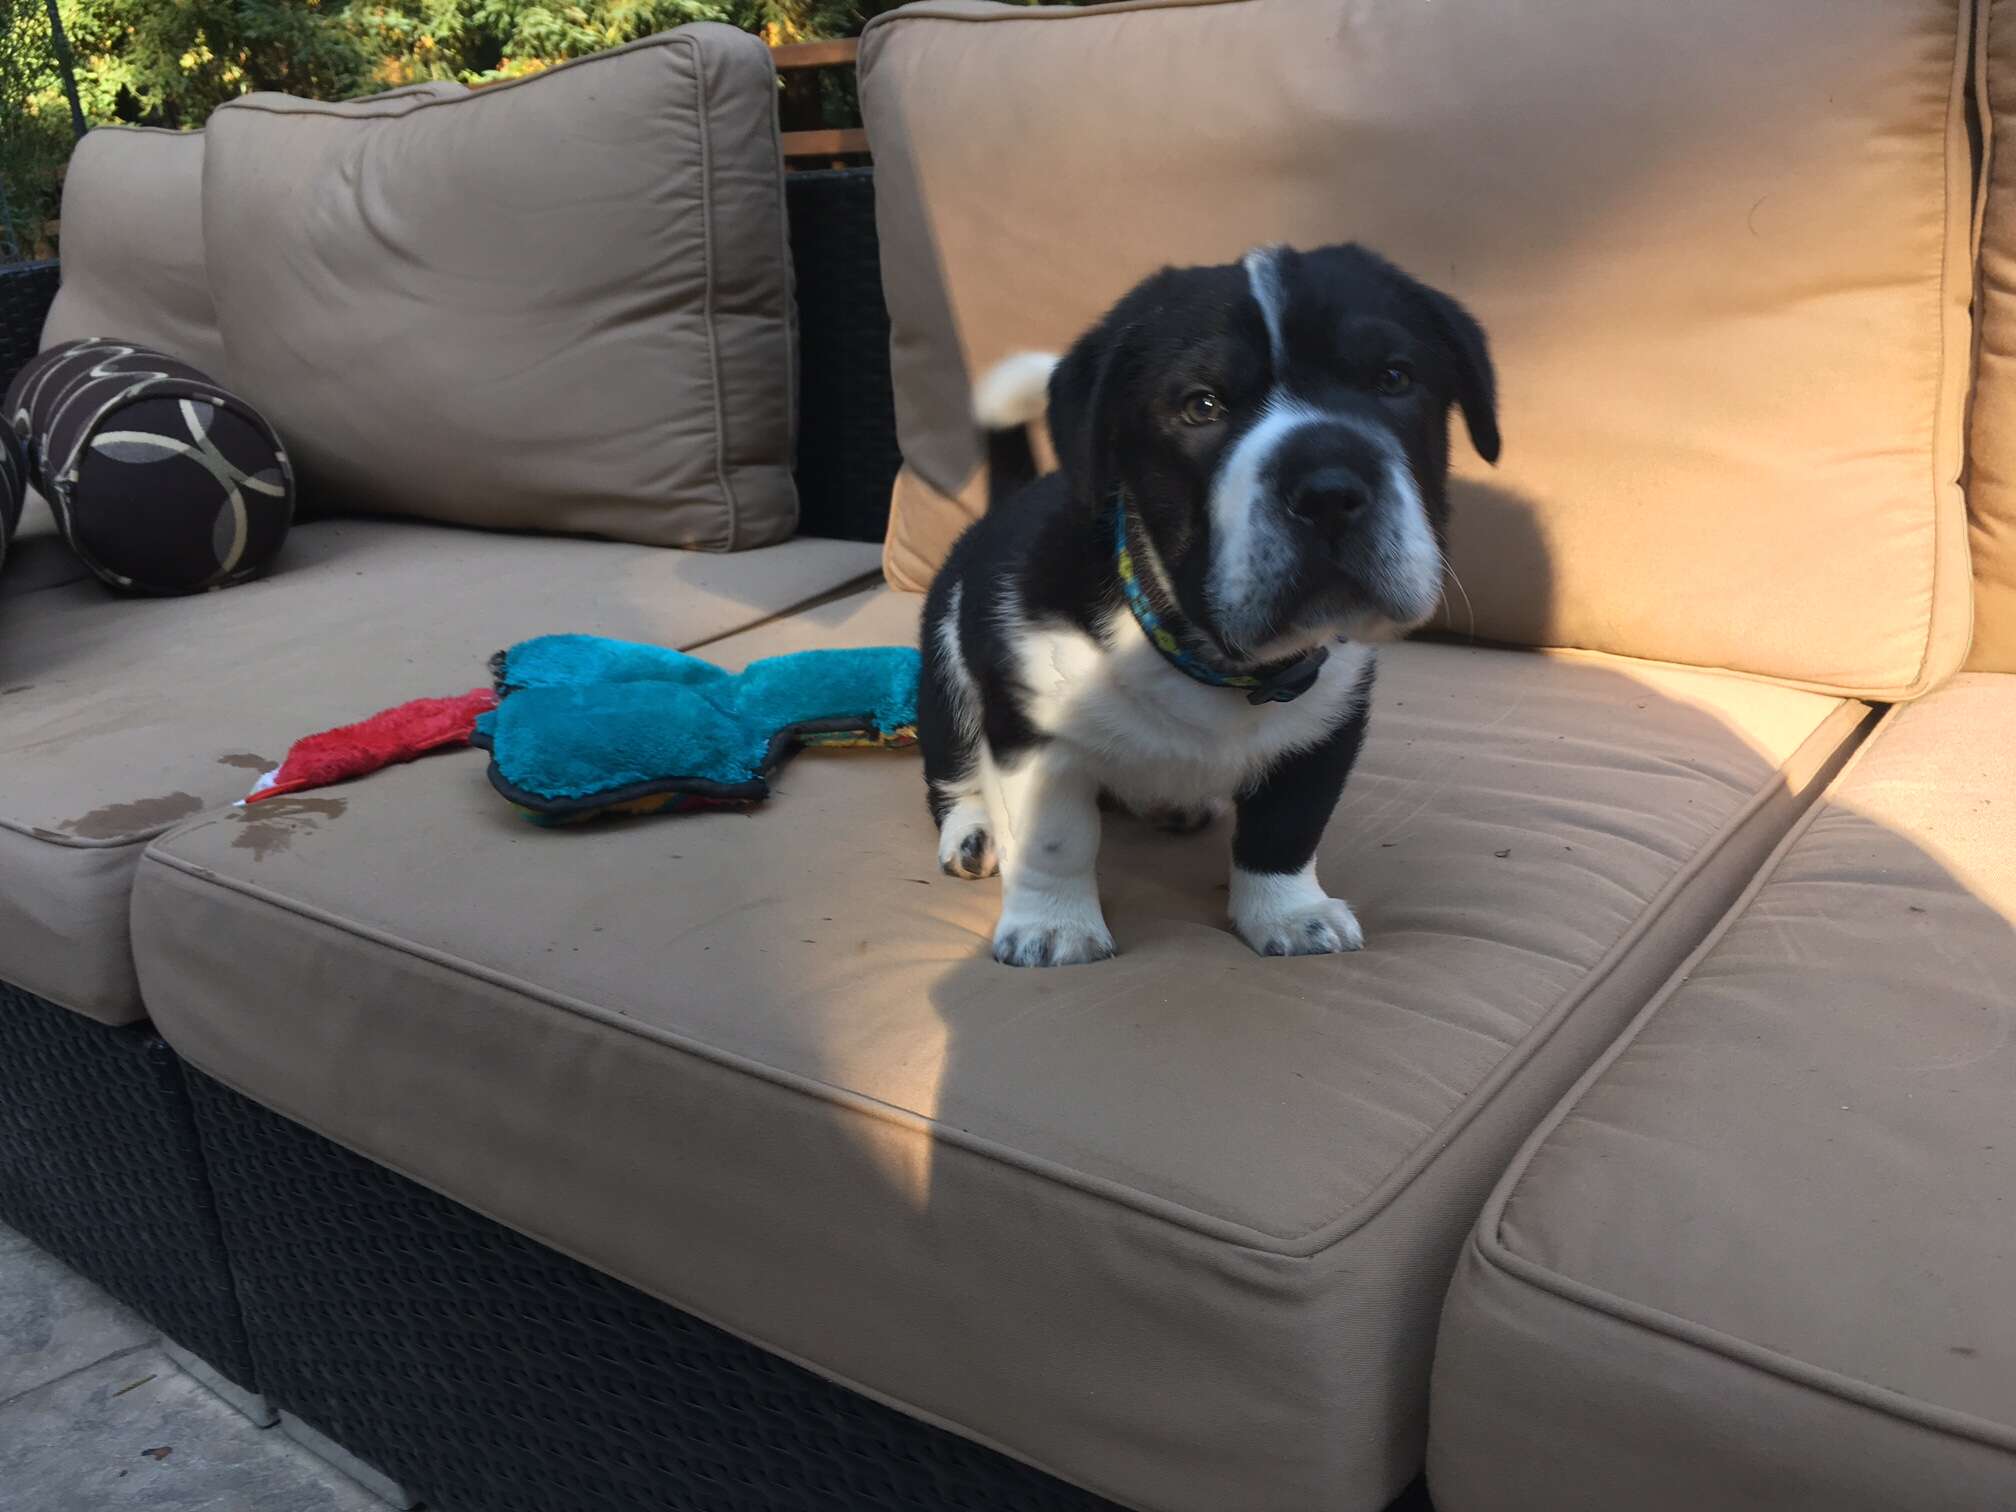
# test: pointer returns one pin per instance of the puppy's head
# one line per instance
(1282, 427)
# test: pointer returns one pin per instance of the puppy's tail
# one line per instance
(1008, 399)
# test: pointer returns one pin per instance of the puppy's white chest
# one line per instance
(1155, 734)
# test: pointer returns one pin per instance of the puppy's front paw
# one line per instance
(1323, 928)
(1052, 936)
(966, 843)
(969, 855)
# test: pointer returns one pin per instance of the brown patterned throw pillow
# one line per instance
(162, 481)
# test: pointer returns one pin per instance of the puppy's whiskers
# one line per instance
(1449, 569)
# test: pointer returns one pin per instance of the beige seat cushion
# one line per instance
(562, 303)
(119, 718)
(1174, 1226)
(1721, 248)
(1991, 480)
(1762, 1258)
(133, 267)
(38, 556)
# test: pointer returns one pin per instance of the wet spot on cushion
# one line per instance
(267, 828)
(142, 816)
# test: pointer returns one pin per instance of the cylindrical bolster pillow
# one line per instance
(162, 481)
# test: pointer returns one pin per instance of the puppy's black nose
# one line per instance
(1330, 497)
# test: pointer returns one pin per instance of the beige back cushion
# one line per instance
(1721, 249)
(1991, 479)
(133, 246)
(560, 304)
(133, 241)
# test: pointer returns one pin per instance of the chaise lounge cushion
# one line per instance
(1721, 249)
(1175, 1226)
(562, 303)
(120, 719)
(1761, 1257)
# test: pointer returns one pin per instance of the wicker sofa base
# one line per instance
(487, 1373)
(99, 1164)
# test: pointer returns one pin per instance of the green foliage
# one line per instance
(171, 62)
(478, 41)
(34, 131)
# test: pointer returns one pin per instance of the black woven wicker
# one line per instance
(99, 1164)
(26, 292)
(847, 455)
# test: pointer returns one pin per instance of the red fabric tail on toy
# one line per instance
(386, 738)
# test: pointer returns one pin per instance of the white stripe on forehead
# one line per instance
(1263, 273)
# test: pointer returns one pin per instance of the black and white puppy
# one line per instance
(1250, 495)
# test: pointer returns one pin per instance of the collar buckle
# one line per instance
(1290, 680)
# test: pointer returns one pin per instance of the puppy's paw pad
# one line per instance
(1325, 928)
(968, 854)
(1051, 945)
(1186, 820)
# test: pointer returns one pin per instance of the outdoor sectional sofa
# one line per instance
(1659, 1150)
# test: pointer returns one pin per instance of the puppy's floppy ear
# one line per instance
(1077, 414)
(1476, 385)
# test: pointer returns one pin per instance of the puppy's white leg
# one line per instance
(1046, 811)
(1288, 913)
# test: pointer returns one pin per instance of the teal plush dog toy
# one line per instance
(586, 727)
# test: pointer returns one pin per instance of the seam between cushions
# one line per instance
(76, 842)
(953, 499)
(1298, 1246)
(1955, 139)
(804, 1362)
(860, 587)
(790, 279)
(1494, 1208)
(1824, 737)
(1984, 174)
(707, 306)
(1495, 1250)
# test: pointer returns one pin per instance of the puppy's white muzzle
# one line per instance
(1330, 525)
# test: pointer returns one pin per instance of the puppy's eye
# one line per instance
(1396, 378)
(1202, 407)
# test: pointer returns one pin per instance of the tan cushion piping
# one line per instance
(326, 111)
(1492, 1247)
(728, 498)
(1826, 736)
(926, 12)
